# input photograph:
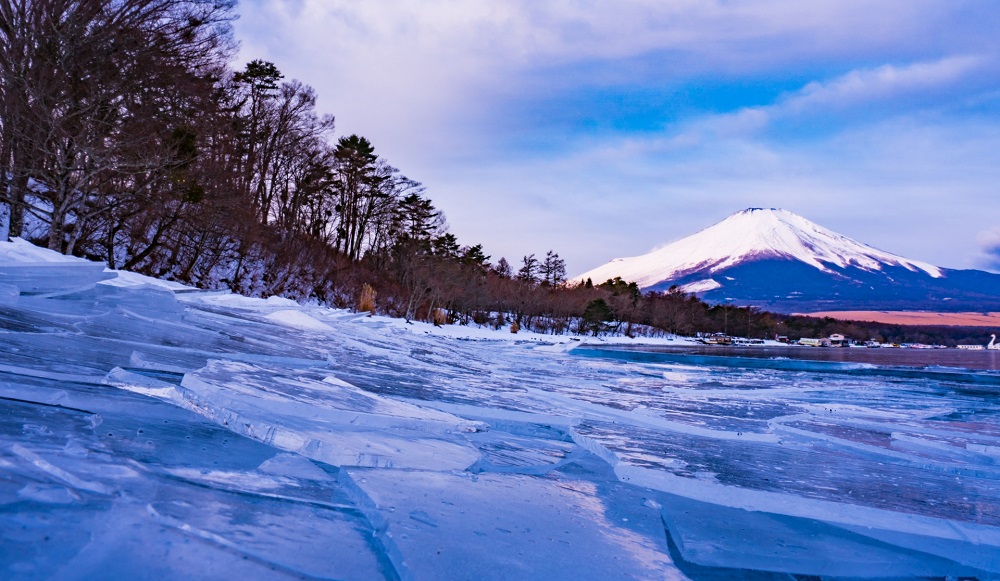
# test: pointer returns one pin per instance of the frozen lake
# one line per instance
(885, 357)
(153, 432)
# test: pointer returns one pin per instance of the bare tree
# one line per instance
(91, 89)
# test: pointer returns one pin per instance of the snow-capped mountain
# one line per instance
(774, 258)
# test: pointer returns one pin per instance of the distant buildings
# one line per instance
(835, 340)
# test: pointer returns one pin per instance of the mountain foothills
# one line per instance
(774, 259)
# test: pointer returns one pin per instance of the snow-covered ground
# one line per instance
(151, 430)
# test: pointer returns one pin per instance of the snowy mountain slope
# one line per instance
(752, 234)
(796, 261)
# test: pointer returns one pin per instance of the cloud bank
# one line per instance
(603, 129)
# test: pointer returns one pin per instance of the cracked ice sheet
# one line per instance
(716, 537)
(505, 526)
(685, 420)
(327, 419)
(122, 486)
(907, 450)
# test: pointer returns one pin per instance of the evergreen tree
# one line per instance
(446, 246)
(503, 269)
(474, 256)
(359, 192)
(417, 221)
(529, 269)
(595, 316)
(553, 269)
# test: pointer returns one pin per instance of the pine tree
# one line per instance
(596, 315)
(553, 269)
(445, 246)
(503, 269)
(529, 269)
(474, 256)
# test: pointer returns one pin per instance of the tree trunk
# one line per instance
(18, 186)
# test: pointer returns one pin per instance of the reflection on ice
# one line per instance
(504, 526)
(155, 431)
(716, 536)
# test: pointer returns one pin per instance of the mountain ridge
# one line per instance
(774, 258)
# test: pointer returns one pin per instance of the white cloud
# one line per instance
(989, 243)
(917, 187)
(883, 85)
(431, 82)
(884, 82)
(527, 30)
(399, 68)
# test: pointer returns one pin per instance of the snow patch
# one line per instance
(228, 299)
(298, 320)
(19, 251)
(701, 286)
(133, 279)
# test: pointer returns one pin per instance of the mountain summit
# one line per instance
(776, 259)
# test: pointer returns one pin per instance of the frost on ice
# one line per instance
(150, 430)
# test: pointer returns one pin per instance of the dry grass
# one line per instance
(366, 302)
(916, 318)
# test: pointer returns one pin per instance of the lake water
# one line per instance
(917, 358)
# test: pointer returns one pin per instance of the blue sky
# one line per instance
(604, 129)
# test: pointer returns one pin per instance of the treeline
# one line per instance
(125, 136)
(800, 326)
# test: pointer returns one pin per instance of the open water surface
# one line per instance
(985, 360)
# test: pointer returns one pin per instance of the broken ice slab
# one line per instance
(62, 353)
(711, 535)
(811, 469)
(151, 527)
(507, 452)
(318, 390)
(102, 483)
(326, 419)
(9, 294)
(36, 279)
(292, 539)
(438, 525)
(970, 544)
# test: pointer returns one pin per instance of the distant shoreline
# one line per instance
(968, 319)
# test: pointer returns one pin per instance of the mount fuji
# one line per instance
(778, 260)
